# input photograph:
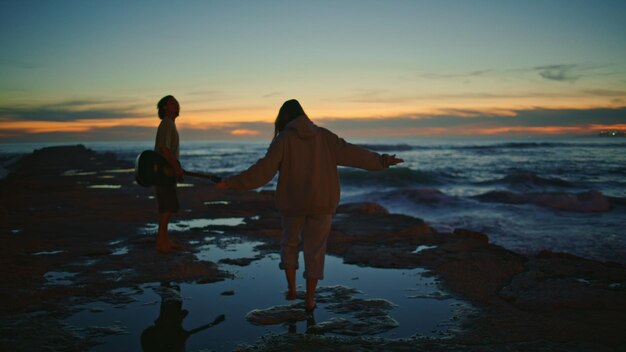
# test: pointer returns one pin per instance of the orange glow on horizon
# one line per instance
(74, 126)
(383, 110)
(233, 122)
(244, 132)
(548, 130)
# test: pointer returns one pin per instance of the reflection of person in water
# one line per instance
(167, 332)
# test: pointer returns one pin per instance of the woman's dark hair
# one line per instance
(290, 110)
(161, 105)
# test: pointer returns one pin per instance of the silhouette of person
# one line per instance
(306, 157)
(167, 332)
(167, 144)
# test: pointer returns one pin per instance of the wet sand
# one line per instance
(75, 229)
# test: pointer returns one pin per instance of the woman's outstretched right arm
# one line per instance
(261, 172)
(352, 155)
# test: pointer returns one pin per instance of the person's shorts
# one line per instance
(167, 197)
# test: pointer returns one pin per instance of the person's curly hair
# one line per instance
(161, 105)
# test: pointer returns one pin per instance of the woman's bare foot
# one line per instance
(311, 286)
(310, 305)
(291, 295)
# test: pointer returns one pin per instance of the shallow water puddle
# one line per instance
(78, 173)
(59, 278)
(118, 248)
(120, 251)
(423, 248)
(416, 303)
(49, 252)
(226, 248)
(119, 171)
(185, 225)
(202, 223)
(217, 202)
(105, 186)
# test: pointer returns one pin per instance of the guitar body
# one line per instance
(152, 168)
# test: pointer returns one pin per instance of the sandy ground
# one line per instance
(549, 302)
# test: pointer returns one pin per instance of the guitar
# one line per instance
(151, 167)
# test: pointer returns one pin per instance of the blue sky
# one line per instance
(95, 69)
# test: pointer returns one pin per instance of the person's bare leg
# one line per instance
(163, 242)
(311, 286)
(315, 238)
(290, 274)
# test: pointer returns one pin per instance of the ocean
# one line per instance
(527, 195)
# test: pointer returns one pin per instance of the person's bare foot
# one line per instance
(291, 295)
(169, 247)
(310, 305)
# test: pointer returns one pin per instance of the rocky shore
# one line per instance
(69, 209)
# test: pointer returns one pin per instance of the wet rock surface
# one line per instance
(355, 316)
(63, 242)
(278, 315)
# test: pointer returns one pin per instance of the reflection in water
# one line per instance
(167, 332)
(417, 306)
(185, 225)
(292, 328)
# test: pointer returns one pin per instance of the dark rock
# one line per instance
(240, 261)
(468, 234)
(362, 208)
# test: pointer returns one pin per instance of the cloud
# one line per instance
(205, 93)
(476, 73)
(443, 124)
(561, 73)
(71, 111)
(553, 72)
(272, 94)
(373, 95)
(574, 72)
(467, 122)
(604, 92)
(463, 117)
(388, 97)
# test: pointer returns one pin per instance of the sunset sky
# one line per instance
(94, 70)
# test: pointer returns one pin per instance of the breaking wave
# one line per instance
(428, 196)
(529, 179)
(586, 202)
(396, 177)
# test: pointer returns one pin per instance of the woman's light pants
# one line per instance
(311, 233)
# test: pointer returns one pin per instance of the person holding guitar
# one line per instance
(167, 145)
